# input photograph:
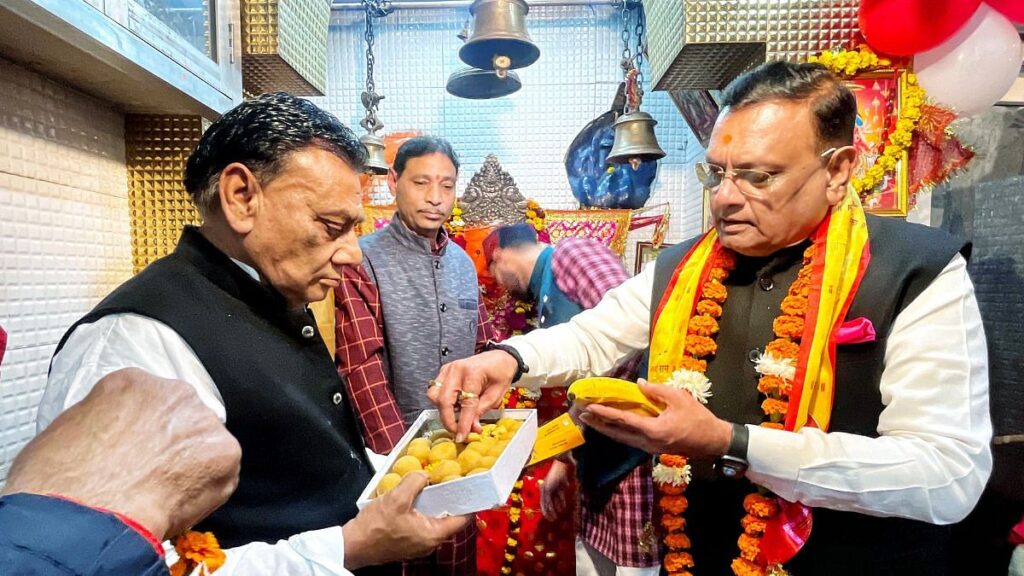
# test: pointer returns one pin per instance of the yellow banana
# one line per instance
(614, 393)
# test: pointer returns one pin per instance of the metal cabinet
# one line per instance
(162, 56)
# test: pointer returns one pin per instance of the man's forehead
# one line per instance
(762, 126)
(342, 197)
(430, 163)
(337, 190)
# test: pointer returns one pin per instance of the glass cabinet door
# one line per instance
(197, 34)
(188, 20)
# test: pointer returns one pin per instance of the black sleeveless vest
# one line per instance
(303, 462)
(905, 259)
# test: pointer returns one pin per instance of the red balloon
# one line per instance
(1012, 9)
(906, 27)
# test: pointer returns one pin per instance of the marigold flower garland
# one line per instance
(517, 397)
(515, 509)
(455, 225)
(777, 367)
(197, 549)
(672, 472)
(535, 215)
(849, 63)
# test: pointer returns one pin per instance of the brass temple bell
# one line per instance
(476, 84)
(635, 141)
(499, 41)
(376, 163)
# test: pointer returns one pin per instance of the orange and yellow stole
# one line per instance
(840, 259)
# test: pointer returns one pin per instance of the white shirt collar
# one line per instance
(247, 269)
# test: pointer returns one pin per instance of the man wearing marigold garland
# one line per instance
(616, 497)
(413, 306)
(276, 180)
(829, 363)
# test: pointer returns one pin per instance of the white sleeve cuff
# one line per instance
(312, 553)
(323, 549)
(772, 455)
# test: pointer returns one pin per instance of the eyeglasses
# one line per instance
(750, 183)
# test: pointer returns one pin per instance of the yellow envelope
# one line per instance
(554, 438)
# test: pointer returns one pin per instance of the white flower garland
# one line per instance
(769, 365)
(671, 475)
(694, 382)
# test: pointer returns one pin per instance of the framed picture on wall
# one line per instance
(705, 212)
(878, 108)
(700, 110)
(645, 254)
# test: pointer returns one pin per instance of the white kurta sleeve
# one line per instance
(132, 341)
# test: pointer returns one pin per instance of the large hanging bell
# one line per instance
(375, 161)
(635, 141)
(499, 41)
(481, 84)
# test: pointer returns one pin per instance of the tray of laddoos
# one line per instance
(465, 477)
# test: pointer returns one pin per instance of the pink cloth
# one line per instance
(856, 331)
(1017, 533)
(3, 343)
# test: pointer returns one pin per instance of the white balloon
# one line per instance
(972, 70)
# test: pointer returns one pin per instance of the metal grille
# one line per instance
(284, 46)
(156, 148)
(696, 44)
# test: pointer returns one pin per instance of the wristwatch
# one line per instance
(521, 367)
(733, 464)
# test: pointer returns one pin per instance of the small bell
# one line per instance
(482, 84)
(635, 141)
(375, 161)
(499, 41)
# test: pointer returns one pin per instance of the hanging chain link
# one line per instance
(627, 56)
(370, 98)
(633, 60)
(641, 44)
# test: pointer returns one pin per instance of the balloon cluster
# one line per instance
(967, 53)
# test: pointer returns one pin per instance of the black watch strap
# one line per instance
(733, 464)
(521, 367)
(739, 442)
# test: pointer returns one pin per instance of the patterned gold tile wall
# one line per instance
(156, 148)
(284, 46)
(696, 44)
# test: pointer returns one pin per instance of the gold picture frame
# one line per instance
(706, 222)
(879, 96)
(645, 254)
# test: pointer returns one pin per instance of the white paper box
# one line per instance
(474, 493)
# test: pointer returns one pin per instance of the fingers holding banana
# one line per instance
(656, 418)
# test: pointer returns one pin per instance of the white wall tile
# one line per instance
(573, 82)
(64, 230)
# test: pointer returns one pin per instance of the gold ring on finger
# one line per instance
(464, 395)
